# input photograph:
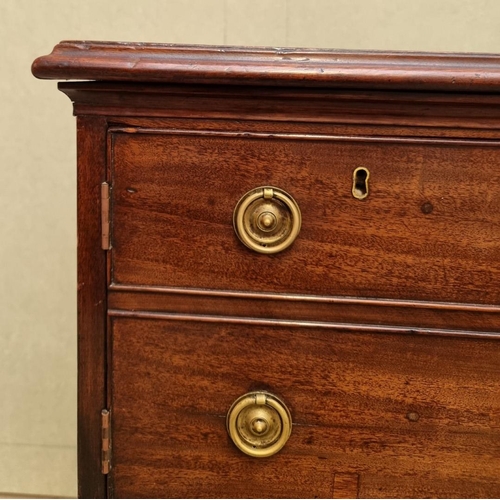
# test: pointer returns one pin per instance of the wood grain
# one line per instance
(408, 414)
(146, 62)
(345, 485)
(174, 194)
(92, 319)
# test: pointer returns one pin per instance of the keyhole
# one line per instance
(360, 178)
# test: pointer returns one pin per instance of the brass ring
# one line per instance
(266, 244)
(252, 400)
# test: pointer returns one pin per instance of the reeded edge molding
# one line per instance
(168, 63)
(449, 306)
(350, 327)
(241, 134)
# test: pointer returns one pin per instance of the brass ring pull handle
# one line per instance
(259, 424)
(267, 219)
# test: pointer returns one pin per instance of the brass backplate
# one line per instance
(267, 219)
(259, 424)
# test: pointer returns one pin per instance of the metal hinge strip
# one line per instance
(105, 442)
(105, 238)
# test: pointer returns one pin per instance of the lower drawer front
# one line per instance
(374, 415)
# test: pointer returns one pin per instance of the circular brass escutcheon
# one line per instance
(267, 219)
(259, 424)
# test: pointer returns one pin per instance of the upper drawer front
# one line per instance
(428, 230)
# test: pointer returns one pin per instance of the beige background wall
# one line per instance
(37, 174)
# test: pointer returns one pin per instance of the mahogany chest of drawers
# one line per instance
(289, 266)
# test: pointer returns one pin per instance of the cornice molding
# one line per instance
(290, 67)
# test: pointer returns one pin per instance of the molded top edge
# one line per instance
(198, 64)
